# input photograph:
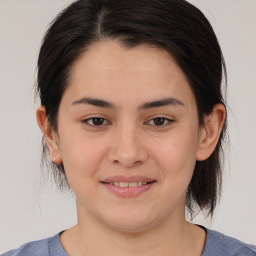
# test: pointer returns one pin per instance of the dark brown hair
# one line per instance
(174, 25)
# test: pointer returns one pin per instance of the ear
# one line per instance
(50, 135)
(210, 132)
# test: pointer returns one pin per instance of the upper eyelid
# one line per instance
(164, 116)
(170, 120)
(150, 118)
(94, 117)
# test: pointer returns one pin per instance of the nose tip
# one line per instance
(128, 151)
(127, 161)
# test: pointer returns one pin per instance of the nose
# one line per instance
(127, 149)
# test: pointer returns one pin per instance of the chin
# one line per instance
(129, 222)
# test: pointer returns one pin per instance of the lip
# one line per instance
(128, 192)
(122, 178)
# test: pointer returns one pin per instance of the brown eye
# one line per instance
(95, 121)
(160, 121)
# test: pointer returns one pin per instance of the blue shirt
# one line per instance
(216, 244)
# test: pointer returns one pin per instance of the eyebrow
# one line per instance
(95, 102)
(161, 103)
(147, 105)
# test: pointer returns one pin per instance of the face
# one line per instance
(128, 136)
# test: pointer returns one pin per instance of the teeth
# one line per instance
(124, 184)
(133, 184)
(128, 184)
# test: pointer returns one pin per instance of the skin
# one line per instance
(130, 142)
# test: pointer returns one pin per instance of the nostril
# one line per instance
(127, 163)
(137, 163)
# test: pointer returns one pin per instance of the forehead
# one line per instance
(110, 70)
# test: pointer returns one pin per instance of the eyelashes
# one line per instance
(99, 122)
(95, 121)
(160, 121)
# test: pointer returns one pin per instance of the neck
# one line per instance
(174, 236)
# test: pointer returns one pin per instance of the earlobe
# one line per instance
(210, 132)
(50, 135)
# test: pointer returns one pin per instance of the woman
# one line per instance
(133, 120)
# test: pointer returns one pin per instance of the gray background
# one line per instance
(30, 206)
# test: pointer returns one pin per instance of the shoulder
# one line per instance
(46, 247)
(222, 245)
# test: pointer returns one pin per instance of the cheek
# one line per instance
(176, 157)
(81, 156)
(81, 160)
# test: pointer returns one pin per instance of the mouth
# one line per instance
(122, 184)
(128, 187)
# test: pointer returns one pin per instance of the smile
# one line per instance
(128, 187)
(128, 184)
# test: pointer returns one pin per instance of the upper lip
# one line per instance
(122, 178)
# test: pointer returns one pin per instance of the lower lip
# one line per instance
(128, 192)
